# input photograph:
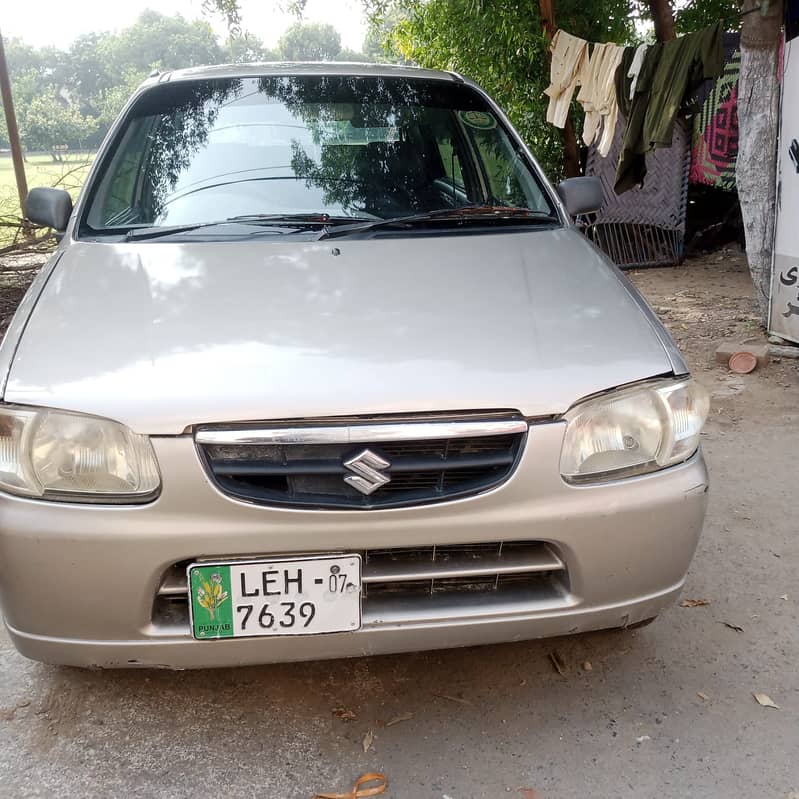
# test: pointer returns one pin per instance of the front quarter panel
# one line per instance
(678, 365)
(13, 335)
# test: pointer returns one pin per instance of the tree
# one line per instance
(696, 14)
(109, 102)
(47, 112)
(345, 54)
(758, 124)
(663, 19)
(158, 41)
(89, 68)
(310, 41)
(229, 10)
(73, 97)
(377, 42)
(48, 122)
(247, 48)
(98, 63)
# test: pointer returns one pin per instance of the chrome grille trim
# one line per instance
(427, 460)
(358, 433)
(535, 558)
(174, 583)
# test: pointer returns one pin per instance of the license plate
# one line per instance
(276, 597)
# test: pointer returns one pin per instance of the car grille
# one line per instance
(423, 584)
(417, 462)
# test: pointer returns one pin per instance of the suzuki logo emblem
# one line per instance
(368, 472)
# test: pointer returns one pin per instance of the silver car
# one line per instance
(321, 367)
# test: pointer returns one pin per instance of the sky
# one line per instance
(54, 22)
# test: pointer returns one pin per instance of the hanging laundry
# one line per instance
(623, 81)
(598, 96)
(631, 169)
(569, 61)
(669, 74)
(635, 67)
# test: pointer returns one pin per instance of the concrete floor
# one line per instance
(665, 711)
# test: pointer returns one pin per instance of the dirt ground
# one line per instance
(665, 711)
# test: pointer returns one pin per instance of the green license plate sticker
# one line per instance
(211, 604)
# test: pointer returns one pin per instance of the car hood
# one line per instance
(162, 335)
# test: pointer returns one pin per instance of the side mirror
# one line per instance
(581, 195)
(49, 207)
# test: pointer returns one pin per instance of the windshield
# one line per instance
(197, 152)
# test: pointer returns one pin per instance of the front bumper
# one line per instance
(78, 582)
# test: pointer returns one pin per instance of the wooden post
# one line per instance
(571, 152)
(13, 131)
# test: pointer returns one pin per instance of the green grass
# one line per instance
(40, 170)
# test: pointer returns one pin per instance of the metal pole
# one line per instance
(13, 131)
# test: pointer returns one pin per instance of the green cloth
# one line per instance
(631, 169)
(623, 82)
(670, 74)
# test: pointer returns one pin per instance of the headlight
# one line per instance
(633, 430)
(66, 456)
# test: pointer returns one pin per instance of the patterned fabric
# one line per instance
(715, 129)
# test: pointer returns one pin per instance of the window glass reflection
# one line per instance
(366, 147)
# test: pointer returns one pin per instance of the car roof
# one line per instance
(270, 69)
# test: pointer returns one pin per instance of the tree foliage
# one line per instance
(246, 48)
(378, 42)
(50, 121)
(310, 41)
(70, 97)
(156, 41)
(695, 14)
(501, 44)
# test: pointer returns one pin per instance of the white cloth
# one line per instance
(635, 67)
(569, 61)
(598, 96)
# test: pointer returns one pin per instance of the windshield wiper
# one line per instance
(465, 214)
(143, 233)
(305, 219)
(344, 225)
